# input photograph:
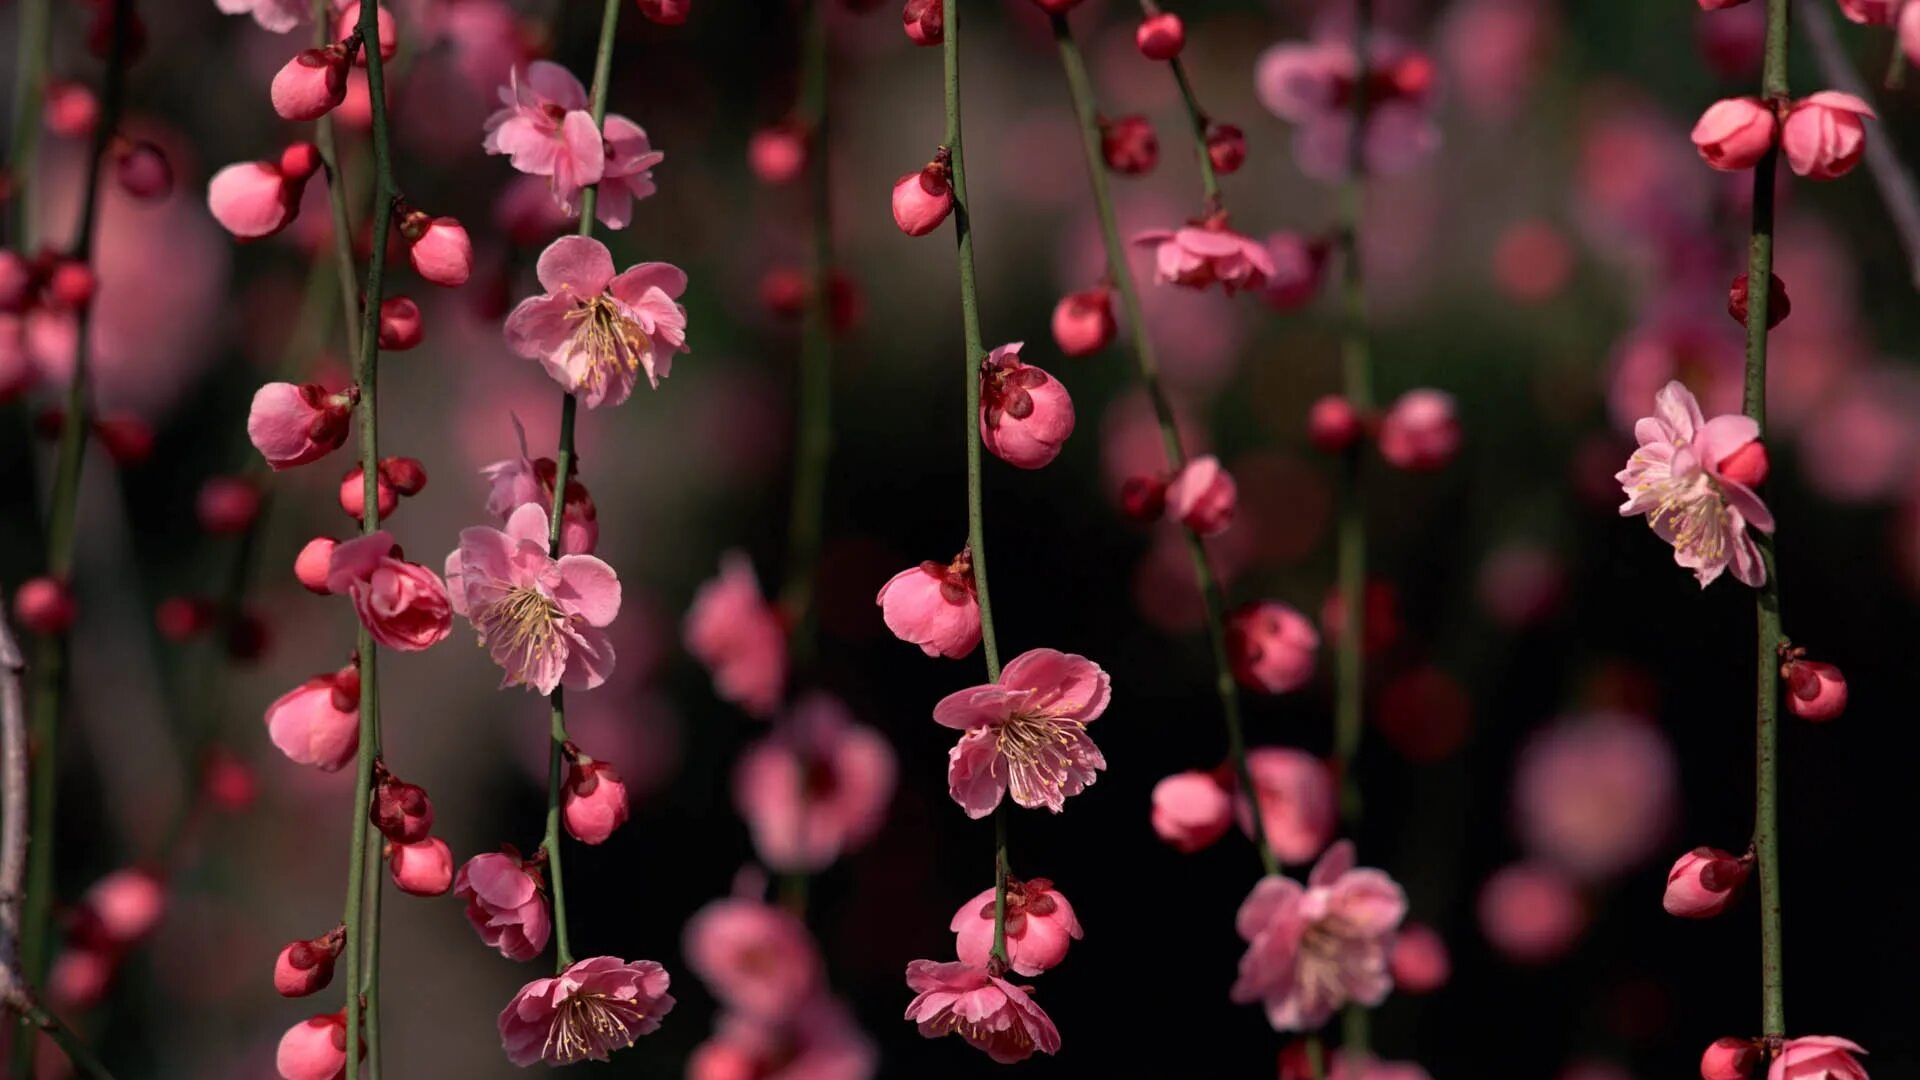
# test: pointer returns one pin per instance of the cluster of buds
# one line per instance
(1823, 135)
(1201, 497)
(1419, 432)
(394, 478)
(114, 916)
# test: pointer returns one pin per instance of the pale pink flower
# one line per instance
(1207, 253)
(990, 1013)
(505, 903)
(542, 620)
(757, 959)
(292, 425)
(1272, 647)
(1312, 951)
(1312, 84)
(1531, 913)
(1026, 414)
(318, 722)
(1675, 478)
(405, 605)
(1191, 810)
(1202, 496)
(313, 1049)
(934, 606)
(544, 128)
(820, 1041)
(525, 481)
(1027, 733)
(1040, 926)
(1817, 1057)
(815, 789)
(1596, 794)
(739, 637)
(595, 332)
(1703, 882)
(278, 16)
(1297, 805)
(1824, 134)
(311, 85)
(628, 176)
(594, 1007)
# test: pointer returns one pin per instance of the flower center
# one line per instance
(589, 1025)
(524, 621)
(613, 343)
(1036, 749)
(1692, 512)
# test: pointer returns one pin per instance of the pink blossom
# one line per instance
(1299, 268)
(1027, 733)
(312, 84)
(1296, 802)
(1272, 647)
(1420, 962)
(1191, 810)
(439, 248)
(1333, 424)
(1817, 1057)
(306, 967)
(934, 606)
(628, 176)
(777, 154)
(1531, 913)
(318, 722)
(756, 958)
(1676, 480)
(1735, 133)
(1207, 253)
(1596, 794)
(1729, 1059)
(256, 199)
(313, 1049)
(1083, 322)
(1026, 415)
(820, 1041)
(1823, 135)
(120, 910)
(739, 637)
(596, 801)
(404, 604)
(293, 425)
(922, 200)
(815, 789)
(1312, 84)
(1420, 431)
(594, 1007)
(1040, 926)
(1703, 882)
(544, 128)
(1815, 691)
(44, 605)
(1311, 951)
(1202, 496)
(542, 620)
(990, 1013)
(505, 903)
(1871, 12)
(595, 332)
(421, 869)
(524, 481)
(278, 16)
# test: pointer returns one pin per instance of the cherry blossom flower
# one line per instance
(404, 605)
(596, 800)
(1680, 478)
(1824, 134)
(505, 903)
(815, 789)
(542, 620)
(990, 1013)
(739, 637)
(594, 1007)
(1311, 951)
(544, 128)
(756, 958)
(1297, 807)
(1027, 733)
(293, 425)
(595, 331)
(1704, 881)
(1040, 926)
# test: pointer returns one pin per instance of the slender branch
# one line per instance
(337, 193)
(29, 96)
(1197, 118)
(1121, 274)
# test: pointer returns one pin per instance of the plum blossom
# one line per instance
(989, 1012)
(525, 480)
(543, 620)
(1312, 84)
(404, 605)
(1595, 794)
(1679, 478)
(756, 958)
(820, 1041)
(739, 637)
(594, 1007)
(595, 331)
(544, 129)
(1040, 926)
(1205, 253)
(934, 606)
(1026, 414)
(1817, 1057)
(628, 176)
(505, 903)
(815, 789)
(1027, 733)
(1313, 950)
(278, 16)
(318, 722)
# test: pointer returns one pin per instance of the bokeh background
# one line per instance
(1561, 256)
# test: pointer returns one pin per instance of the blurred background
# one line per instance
(1556, 704)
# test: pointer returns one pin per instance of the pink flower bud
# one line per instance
(1735, 133)
(182, 618)
(227, 505)
(314, 1049)
(666, 12)
(143, 171)
(305, 967)
(1299, 266)
(121, 910)
(777, 154)
(71, 110)
(1226, 147)
(292, 425)
(128, 439)
(298, 162)
(16, 282)
(1420, 432)
(400, 325)
(229, 784)
(1271, 646)
(44, 606)
(1040, 925)
(1202, 497)
(1778, 304)
(388, 33)
(71, 285)
(1191, 810)
(596, 801)
(934, 606)
(1817, 1057)
(922, 200)
(1824, 134)
(1729, 1058)
(1870, 12)
(251, 199)
(925, 21)
(1025, 414)
(1056, 7)
(1083, 322)
(405, 474)
(81, 977)
(1129, 145)
(423, 869)
(1143, 498)
(401, 811)
(440, 249)
(1747, 465)
(312, 84)
(1909, 32)
(318, 722)
(353, 494)
(310, 566)
(505, 904)
(1161, 36)
(1333, 424)
(1703, 882)
(1419, 961)
(1815, 691)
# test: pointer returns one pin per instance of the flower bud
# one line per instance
(439, 248)
(310, 566)
(1824, 134)
(389, 35)
(1420, 432)
(353, 494)
(1202, 497)
(1747, 465)
(934, 606)
(1226, 147)
(1778, 305)
(925, 21)
(1815, 691)
(182, 618)
(1161, 36)
(1729, 1058)
(317, 723)
(44, 606)
(666, 12)
(71, 285)
(313, 1049)
(1271, 647)
(423, 869)
(1191, 810)
(400, 324)
(1056, 7)
(293, 425)
(120, 910)
(1083, 322)
(1129, 145)
(16, 282)
(777, 153)
(1703, 882)
(922, 200)
(228, 783)
(596, 801)
(227, 505)
(406, 474)
(127, 438)
(312, 84)
(1735, 133)
(306, 967)
(1143, 498)
(1026, 415)
(401, 811)
(251, 199)
(70, 108)
(299, 161)
(1419, 961)
(1333, 424)
(143, 170)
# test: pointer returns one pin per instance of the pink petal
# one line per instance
(589, 588)
(578, 264)
(979, 706)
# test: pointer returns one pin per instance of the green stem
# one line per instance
(997, 958)
(1197, 118)
(1121, 274)
(337, 195)
(34, 1016)
(29, 96)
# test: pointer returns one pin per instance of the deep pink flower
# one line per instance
(525, 481)
(595, 332)
(1596, 794)
(1703, 882)
(306, 967)
(1027, 733)
(922, 200)
(1531, 912)
(1160, 36)
(1312, 84)
(1129, 145)
(628, 176)
(1202, 496)
(404, 604)
(1191, 810)
(1272, 647)
(1208, 253)
(312, 84)
(1040, 926)
(542, 620)
(1729, 1059)
(594, 1007)
(278, 16)
(756, 958)
(314, 1049)
(1675, 479)
(1824, 134)
(292, 425)
(1815, 691)
(820, 1041)
(815, 789)
(596, 800)
(421, 869)
(1817, 1057)
(256, 199)
(1420, 963)
(1420, 432)
(318, 722)
(1083, 322)
(544, 128)
(1311, 951)
(439, 248)
(739, 637)
(777, 154)
(1296, 802)
(1735, 133)
(505, 903)
(934, 606)
(1026, 414)
(990, 1013)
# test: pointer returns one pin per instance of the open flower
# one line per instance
(1817, 1057)
(544, 128)
(505, 903)
(1207, 253)
(404, 605)
(1686, 477)
(525, 480)
(1312, 951)
(990, 1013)
(1313, 84)
(756, 958)
(816, 788)
(1027, 733)
(541, 619)
(628, 176)
(595, 332)
(594, 1007)
(739, 637)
